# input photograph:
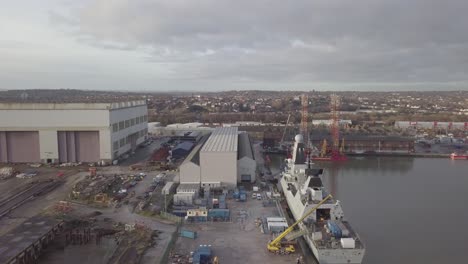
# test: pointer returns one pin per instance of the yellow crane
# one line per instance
(275, 244)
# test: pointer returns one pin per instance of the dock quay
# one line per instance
(25, 243)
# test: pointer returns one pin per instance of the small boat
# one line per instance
(455, 156)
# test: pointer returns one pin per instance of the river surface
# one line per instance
(406, 210)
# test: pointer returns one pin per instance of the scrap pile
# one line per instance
(93, 185)
(132, 243)
(6, 172)
(102, 188)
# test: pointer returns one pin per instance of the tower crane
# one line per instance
(275, 244)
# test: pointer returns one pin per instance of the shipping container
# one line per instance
(348, 243)
(218, 214)
(188, 234)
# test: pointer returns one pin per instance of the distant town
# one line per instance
(165, 176)
(272, 106)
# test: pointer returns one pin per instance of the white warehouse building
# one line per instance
(70, 132)
(221, 159)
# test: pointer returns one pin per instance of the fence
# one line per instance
(171, 244)
(172, 217)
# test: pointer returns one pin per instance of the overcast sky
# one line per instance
(237, 44)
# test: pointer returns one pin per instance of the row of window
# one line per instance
(128, 123)
(126, 140)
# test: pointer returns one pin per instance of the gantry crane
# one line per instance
(275, 246)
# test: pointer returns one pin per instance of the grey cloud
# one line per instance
(381, 41)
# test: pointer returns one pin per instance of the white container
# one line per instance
(255, 189)
(348, 243)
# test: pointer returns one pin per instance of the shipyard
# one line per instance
(232, 132)
(100, 179)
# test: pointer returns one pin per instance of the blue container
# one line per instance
(188, 234)
(236, 194)
(222, 198)
(218, 214)
(335, 230)
(202, 255)
(243, 197)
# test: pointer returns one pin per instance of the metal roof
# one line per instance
(184, 145)
(223, 139)
(245, 147)
(194, 156)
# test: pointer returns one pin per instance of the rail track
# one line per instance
(16, 200)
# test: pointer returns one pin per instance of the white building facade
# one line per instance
(246, 163)
(218, 158)
(70, 132)
(221, 159)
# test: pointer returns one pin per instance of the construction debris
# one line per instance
(6, 172)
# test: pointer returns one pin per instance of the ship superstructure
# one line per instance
(330, 237)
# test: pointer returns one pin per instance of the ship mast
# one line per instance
(305, 126)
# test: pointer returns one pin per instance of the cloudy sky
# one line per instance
(237, 44)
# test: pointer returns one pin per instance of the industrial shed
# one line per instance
(70, 132)
(218, 158)
(190, 169)
(221, 159)
(246, 164)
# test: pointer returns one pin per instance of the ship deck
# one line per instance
(330, 242)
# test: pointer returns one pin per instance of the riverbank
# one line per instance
(392, 154)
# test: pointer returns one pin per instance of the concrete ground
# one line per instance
(239, 241)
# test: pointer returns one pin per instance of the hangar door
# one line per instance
(78, 146)
(19, 146)
(246, 178)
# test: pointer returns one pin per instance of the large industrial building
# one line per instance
(70, 132)
(221, 159)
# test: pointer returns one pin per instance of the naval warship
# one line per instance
(326, 231)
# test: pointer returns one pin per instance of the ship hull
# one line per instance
(459, 157)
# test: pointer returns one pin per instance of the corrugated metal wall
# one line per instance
(19, 146)
(78, 146)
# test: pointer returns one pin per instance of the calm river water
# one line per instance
(406, 210)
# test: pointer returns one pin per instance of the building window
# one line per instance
(122, 142)
(121, 125)
(127, 123)
(115, 127)
(137, 120)
(141, 119)
(132, 122)
(116, 145)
